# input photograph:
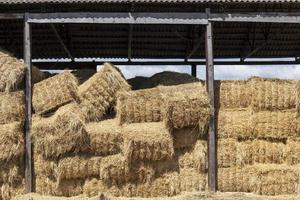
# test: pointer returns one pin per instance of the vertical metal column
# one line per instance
(212, 143)
(194, 70)
(28, 106)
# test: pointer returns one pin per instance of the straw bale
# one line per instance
(185, 137)
(261, 179)
(11, 173)
(168, 78)
(7, 192)
(187, 106)
(235, 123)
(61, 133)
(272, 94)
(278, 125)
(233, 94)
(260, 151)
(12, 72)
(99, 93)
(139, 106)
(45, 167)
(67, 188)
(147, 141)
(105, 137)
(11, 142)
(292, 151)
(93, 187)
(191, 180)
(54, 92)
(227, 152)
(78, 167)
(12, 107)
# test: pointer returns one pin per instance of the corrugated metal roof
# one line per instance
(144, 1)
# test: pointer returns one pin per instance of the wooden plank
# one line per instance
(28, 108)
(212, 152)
(194, 70)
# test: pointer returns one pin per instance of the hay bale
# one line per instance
(11, 142)
(45, 167)
(191, 180)
(12, 72)
(233, 94)
(186, 105)
(7, 192)
(235, 123)
(227, 152)
(292, 151)
(272, 94)
(116, 170)
(278, 125)
(99, 93)
(171, 78)
(12, 107)
(147, 141)
(54, 92)
(105, 137)
(62, 133)
(140, 106)
(260, 179)
(11, 173)
(78, 167)
(185, 137)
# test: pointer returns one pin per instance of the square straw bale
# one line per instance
(45, 167)
(11, 173)
(99, 93)
(260, 151)
(292, 151)
(277, 124)
(116, 170)
(235, 123)
(12, 72)
(105, 137)
(140, 106)
(62, 133)
(272, 94)
(233, 94)
(185, 137)
(8, 192)
(78, 167)
(191, 180)
(12, 107)
(11, 142)
(186, 105)
(227, 152)
(147, 141)
(54, 92)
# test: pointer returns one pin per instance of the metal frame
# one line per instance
(145, 18)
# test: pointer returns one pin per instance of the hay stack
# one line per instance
(233, 94)
(54, 92)
(292, 151)
(11, 173)
(7, 192)
(105, 137)
(61, 133)
(191, 180)
(260, 179)
(140, 106)
(147, 141)
(185, 137)
(11, 142)
(227, 152)
(272, 94)
(78, 167)
(12, 72)
(187, 105)
(281, 124)
(45, 167)
(12, 107)
(99, 93)
(235, 123)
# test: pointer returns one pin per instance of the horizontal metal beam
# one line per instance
(11, 16)
(162, 18)
(76, 65)
(119, 18)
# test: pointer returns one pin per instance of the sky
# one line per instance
(222, 72)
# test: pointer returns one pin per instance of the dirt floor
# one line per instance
(185, 196)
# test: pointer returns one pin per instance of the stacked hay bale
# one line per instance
(257, 135)
(12, 112)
